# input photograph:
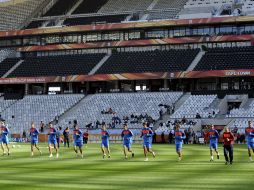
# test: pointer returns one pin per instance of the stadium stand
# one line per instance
(22, 10)
(248, 7)
(7, 64)
(124, 104)
(4, 104)
(196, 104)
(57, 65)
(124, 5)
(227, 58)
(38, 108)
(95, 19)
(243, 112)
(167, 10)
(61, 7)
(89, 6)
(147, 61)
(4, 53)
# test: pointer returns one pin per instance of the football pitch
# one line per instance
(20, 171)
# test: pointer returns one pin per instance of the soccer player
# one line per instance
(34, 133)
(85, 137)
(105, 141)
(77, 139)
(52, 140)
(66, 134)
(228, 138)
(213, 138)
(179, 137)
(249, 131)
(127, 136)
(4, 137)
(147, 135)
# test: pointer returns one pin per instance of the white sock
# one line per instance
(211, 157)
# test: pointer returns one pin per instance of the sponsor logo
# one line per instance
(238, 73)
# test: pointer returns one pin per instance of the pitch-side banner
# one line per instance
(129, 76)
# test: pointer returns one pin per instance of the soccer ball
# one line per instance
(13, 146)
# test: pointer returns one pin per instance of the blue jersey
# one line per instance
(34, 134)
(127, 136)
(5, 132)
(179, 136)
(249, 131)
(52, 134)
(213, 135)
(77, 136)
(147, 135)
(104, 135)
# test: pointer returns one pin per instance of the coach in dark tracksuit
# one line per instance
(228, 138)
(66, 134)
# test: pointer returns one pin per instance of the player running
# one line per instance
(52, 140)
(213, 138)
(4, 137)
(147, 135)
(34, 134)
(105, 141)
(249, 131)
(77, 139)
(228, 138)
(179, 137)
(127, 136)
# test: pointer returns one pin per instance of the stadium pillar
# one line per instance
(70, 87)
(26, 89)
(45, 88)
(87, 87)
(165, 83)
(116, 84)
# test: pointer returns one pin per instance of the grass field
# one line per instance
(20, 171)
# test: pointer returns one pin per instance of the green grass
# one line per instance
(19, 171)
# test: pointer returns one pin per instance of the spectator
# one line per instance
(198, 116)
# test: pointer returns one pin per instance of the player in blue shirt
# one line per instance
(179, 137)
(213, 138)
(105, 141)
(52, 140)
(77, 139)
(249, 131)
(4, 137)
(127, 136)
(34, 134)
(147, 135)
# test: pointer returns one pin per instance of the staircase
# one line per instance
(73, 109)
(13, 68)
(93, 71)
(196, 61)
(167, 117)
(61, 21)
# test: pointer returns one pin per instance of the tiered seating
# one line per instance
(125, 5)
(248, 7)
(227, 58)
(4, 53)
(61, 7)
(203, 8)
(21, 10)
(125, 104)
(172, 4)
(163, 14)
(5, 103)
(240, 124)
(149, 61)
(57, 65)
(7, 64)
(35, 24)
(242, 112)
(89, 6)
(38, 108)
(196, 104)
(95, 19)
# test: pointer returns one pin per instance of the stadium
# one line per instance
(126, 94)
